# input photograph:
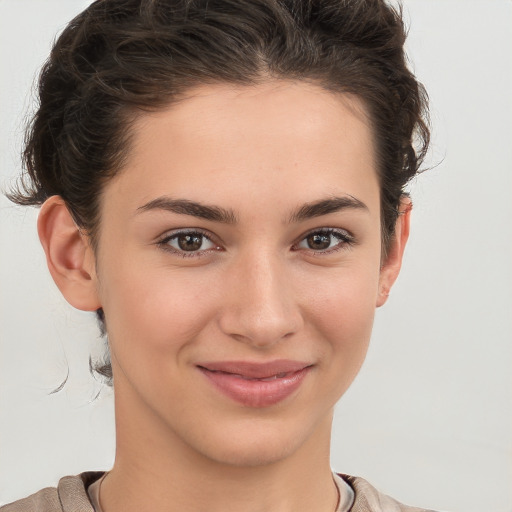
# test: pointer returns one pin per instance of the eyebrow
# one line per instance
(327, 206)
(187, 207)
(227, 216)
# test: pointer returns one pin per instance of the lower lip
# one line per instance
(256, 393)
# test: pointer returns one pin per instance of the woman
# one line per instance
(223, 183)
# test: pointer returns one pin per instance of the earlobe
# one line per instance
(69, 255)
(393, 261)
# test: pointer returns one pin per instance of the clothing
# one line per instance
(71, 496)
(94, 493)
(345, 494)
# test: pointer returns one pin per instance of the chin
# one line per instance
(251, 454)
(256, 443)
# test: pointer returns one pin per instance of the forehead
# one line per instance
(229, 141)
(278, 107)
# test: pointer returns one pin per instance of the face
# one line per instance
(239, 266)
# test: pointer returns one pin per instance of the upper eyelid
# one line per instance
(326, 229)
(209, 234)
(167, 235)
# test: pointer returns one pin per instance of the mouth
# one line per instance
(256, 384)
(261, 379)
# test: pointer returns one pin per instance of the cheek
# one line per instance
(153, 314)
(341, 311)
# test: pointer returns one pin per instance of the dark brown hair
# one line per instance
(120, 58)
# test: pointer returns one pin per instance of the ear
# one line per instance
(69, 255)
(393, 262)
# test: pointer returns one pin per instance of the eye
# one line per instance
(187, 242)
(326, 240)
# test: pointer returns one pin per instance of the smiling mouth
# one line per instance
(260, 379)
(256, 384)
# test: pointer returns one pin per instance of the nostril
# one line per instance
(259, 333)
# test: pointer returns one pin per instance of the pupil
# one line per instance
(190, 242)
(319, 241)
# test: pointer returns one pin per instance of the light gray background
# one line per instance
(429, 419)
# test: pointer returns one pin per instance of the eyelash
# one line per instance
(345, 240)
(164, 243)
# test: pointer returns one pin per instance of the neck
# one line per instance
(158, 471)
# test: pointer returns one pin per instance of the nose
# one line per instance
(260, 307)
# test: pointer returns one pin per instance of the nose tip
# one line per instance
(260, 309)
(263, 330)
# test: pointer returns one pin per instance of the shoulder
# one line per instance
(369, 499)
(70, 495)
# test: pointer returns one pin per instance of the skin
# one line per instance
(255, 291)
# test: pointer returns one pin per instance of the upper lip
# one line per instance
(255, 370)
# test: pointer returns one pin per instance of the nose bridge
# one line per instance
(261, 309)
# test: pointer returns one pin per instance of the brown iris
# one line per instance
(319, 241)
(191, 242)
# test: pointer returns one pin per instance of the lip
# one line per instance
(256, 384)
